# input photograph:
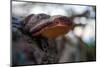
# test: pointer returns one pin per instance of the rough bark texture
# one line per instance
(28, 49)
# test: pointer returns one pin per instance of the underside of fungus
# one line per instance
(47, 26)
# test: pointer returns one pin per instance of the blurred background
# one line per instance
(78, 45)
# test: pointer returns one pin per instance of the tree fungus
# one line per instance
(47, 26)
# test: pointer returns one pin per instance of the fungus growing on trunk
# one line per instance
(48, 26)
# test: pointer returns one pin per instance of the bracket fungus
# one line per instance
(47, 26)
